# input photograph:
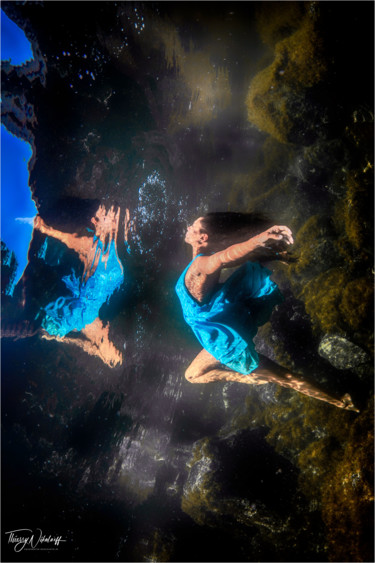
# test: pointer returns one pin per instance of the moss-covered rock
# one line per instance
(276, 20)
(230, 487)
(322, 297)
(353, 219)
(277, 98)
(342, 353)
(200, 492)
(314, 248)
(161, 546)
(335, 302)
(357, 304)
(355, 209)
(334, 454)
(348, 495)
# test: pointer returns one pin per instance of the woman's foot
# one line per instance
(348, 403)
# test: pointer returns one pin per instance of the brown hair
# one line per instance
(231, 226)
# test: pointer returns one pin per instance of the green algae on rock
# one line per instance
(356, 204)
(342, 353)
(276, 21)
(348, 494)
(314, 248)
(199, 491)
(276, 100)
(260, 521)
(322, 297)
(357, 303)
(334, 454)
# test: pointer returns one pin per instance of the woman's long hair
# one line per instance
(231, 226)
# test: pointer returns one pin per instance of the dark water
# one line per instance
(158, 112)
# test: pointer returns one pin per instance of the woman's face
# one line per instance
(194, 231)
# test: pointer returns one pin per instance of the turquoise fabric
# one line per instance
(226, 322)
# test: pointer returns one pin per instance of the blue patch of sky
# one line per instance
(17, 206)
(14, 44)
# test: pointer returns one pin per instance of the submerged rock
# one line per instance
(8, 270)
(231, 485)
(342, 353)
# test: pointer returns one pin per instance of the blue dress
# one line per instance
(226, 322)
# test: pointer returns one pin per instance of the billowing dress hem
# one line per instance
(227, 322)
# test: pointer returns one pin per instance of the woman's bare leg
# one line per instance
(283, 377)
(205, 368)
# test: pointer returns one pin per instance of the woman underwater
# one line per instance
(225, 316)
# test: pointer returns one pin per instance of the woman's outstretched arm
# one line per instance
(238, 253)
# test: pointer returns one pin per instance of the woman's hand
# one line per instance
(277, 233)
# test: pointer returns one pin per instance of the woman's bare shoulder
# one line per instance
(206, 265)
(197, 280)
